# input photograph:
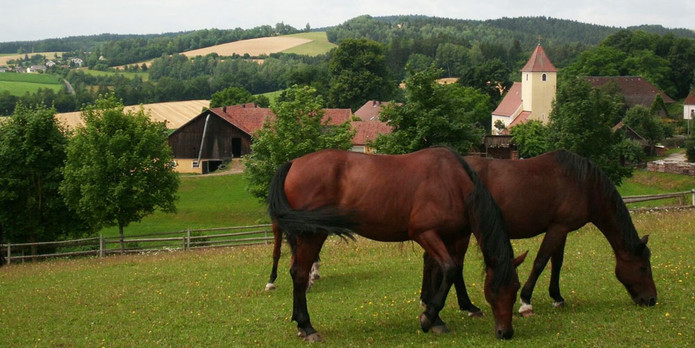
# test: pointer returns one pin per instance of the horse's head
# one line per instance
(634, 270)
(502, 299)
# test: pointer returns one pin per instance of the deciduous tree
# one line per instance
(119, 167)
(296, 130)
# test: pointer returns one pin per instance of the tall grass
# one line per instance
(367, 296)
(20, 84)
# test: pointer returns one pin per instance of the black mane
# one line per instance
(486, 216)
(589, 176)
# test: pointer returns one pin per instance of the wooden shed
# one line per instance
(216, 135)
(220, 134)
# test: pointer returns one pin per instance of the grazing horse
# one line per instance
(557, 193)
(431, 197)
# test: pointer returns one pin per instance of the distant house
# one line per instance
(77, 62)
(689, 107)
(635, 90)
(50, 64)
(223, 133)
(366, 132)
(370, 110)
(36, 68)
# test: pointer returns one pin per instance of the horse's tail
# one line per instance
(486, 216)
(293, 222)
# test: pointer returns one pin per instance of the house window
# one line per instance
(544, 77)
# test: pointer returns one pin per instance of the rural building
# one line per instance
(221, 134)
(367, 131)
(634, 89)
(689, 108)
(530, 99)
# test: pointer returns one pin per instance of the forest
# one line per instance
(477, 51)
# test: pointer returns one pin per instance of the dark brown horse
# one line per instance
(557, 193)
(430, 196)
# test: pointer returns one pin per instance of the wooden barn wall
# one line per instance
(185, 143)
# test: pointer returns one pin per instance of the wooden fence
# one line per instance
(202, 238)
(169, 241)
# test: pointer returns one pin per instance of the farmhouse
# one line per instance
(220, 134)
(634, 89)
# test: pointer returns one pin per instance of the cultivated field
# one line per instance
(19, 84)
(254, 47)
(368, 296)
(175, 114)
(5, 58)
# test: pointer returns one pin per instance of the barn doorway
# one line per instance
(236, 147)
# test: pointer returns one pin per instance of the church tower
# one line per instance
(538, 85)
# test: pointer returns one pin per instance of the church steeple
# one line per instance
(538, 83)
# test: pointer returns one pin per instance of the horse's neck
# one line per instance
(615, 226)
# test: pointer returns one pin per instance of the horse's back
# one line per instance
(395, 193)
(534, 194)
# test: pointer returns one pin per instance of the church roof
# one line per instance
(511, 102)
(539, 62)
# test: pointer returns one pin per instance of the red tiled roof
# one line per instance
(539, 61)
(366, 131)
(370, 110)
(511, 101)
(690, 99)
(523, 116)
(635, 89)
(249, 118)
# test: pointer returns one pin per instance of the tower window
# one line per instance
(544, 77)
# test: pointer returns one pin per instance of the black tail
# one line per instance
(486, 216)
(292, 222)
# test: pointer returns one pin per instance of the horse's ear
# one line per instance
(519, 259)
(645, 239)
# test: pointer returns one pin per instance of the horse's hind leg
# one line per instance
(556, 265)
(465, 303)
(305, 253)
(277, 244)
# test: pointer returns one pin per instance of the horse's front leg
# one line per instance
(306, 251)
(556, 265)
(435, 247)
(553, 238)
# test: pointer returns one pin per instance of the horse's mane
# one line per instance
(590, 176)
(486, 216)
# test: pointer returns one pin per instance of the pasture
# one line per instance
(368, 295)
(19, 84)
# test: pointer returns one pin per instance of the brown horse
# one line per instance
(557, 193)
(431, 197)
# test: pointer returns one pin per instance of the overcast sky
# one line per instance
(41, 19)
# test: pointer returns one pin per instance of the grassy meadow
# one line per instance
(128, 74)
(19, 84)
(368, 295)
(319, 44)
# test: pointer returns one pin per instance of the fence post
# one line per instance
(101, 245)
(9, 253)
(188, 239)
(693, 197)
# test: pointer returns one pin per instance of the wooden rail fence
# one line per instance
(169, 241)
(201, 238)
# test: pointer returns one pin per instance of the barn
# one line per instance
(220, 134)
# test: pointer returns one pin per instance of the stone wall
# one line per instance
(672, 167)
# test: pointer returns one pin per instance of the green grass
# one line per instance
(319, 45)
(205, 202)
(19, 84)
(368, 295)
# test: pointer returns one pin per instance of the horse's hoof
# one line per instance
(301, 333)
(315, 337)
(425, 323)
(269, 286)
(526, 313)
(440, 329)
(478, 314)
(559, 304)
